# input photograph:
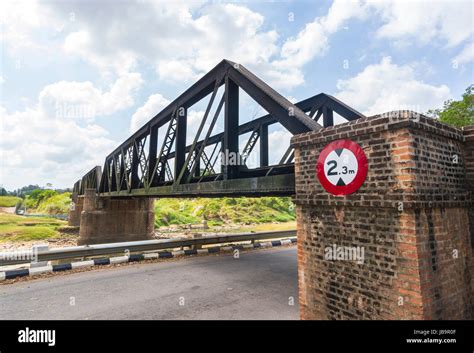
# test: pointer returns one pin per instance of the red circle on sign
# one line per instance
(356, 153)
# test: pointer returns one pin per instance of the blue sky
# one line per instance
(78, 77)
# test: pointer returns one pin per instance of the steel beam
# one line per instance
(231, 130)
(180, 148)
(273, 185)
(153, 149)
(328, 119)
(263, 145)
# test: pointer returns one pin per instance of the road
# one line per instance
(258, 285)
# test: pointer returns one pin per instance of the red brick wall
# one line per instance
(469, 155)
(411, 217)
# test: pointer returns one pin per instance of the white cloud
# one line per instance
(426, 21)
(154, 104)
(82, 44)
(176, 70)
(278, 142)
(194, 120)
(466, 55)
(82, 100)
(313, 40)
(21, 22)
(39, 148)
(55, 139)
(386, 86)
(182, 41)
(177, 41)
(310, 42)
(341, 11)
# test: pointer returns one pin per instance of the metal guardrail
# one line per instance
(145, 245)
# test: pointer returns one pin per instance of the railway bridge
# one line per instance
(405, 208)
(162, 158)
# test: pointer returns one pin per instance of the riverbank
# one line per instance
(20, 232)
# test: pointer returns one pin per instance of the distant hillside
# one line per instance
(216, 211)
(40, 201)
(9, 201)
(223, 210)
(56, 204)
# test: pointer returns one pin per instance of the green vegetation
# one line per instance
(19, 228)
(9, 201)
(223, 211)
(56, 204)
(457, 113)
(33, 199)
(47, 202)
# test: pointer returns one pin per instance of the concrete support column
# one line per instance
(109, 220)
(74, 217)
(401, 246)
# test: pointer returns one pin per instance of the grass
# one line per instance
(9, 201)
(19, 228)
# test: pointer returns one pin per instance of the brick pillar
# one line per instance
(109, 220)
(409, 221)
(74, 217)
(469, 162)
(469, 154)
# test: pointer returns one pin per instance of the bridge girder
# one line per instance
(138, 167)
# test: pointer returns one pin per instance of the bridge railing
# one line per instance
(91, 180)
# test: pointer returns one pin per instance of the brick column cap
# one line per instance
(393, 120)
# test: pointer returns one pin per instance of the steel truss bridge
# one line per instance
(143, 165)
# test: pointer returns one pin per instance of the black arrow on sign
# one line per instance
(341, 182)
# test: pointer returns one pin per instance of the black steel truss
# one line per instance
(141, 166)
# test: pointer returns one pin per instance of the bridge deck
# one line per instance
(273, 185)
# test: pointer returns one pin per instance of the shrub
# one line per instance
(9, 201)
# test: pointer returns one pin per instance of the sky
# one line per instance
(78, 77)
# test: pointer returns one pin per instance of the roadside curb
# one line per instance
(140, 257)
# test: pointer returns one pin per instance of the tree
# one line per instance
(25, 190)
(457, 113)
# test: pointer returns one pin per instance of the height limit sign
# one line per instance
(342, 167)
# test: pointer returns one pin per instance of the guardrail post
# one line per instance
(197, 236)
(36, 249)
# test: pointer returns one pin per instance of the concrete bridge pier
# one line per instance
(112, 220)
(74, 218)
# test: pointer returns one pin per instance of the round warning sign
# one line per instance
(342, 167)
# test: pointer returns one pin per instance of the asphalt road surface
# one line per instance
(261, 284)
